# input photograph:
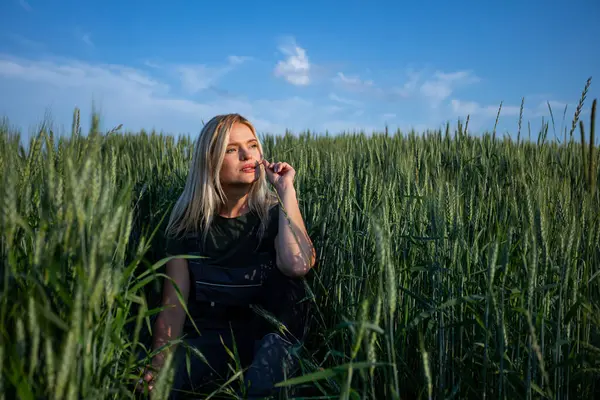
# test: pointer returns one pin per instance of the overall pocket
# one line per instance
(233, 285)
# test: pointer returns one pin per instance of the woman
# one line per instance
(251, 259)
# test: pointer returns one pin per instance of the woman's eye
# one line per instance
(232, 149)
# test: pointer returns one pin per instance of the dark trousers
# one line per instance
(266, 361)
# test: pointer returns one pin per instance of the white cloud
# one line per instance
(409, 87)
(464, 108)
(151, 64)
(151, 96)
(125, 95)
(26, 42)
(333, 109)
(343, 100)
(198, 77)
(442, 85)
(285, 109)
(138, 99)
(296, 67)
(238, 59)
(25, 5)
(353, 82)
(76, 74)
(558, 109)
(195, 78)
(356, 84)
(434, 89)
(484, 116)
(85, 38)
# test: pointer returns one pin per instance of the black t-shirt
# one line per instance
(232, 247)
(230, 241)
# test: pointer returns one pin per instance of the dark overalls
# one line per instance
(226, 304)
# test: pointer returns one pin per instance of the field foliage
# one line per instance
(449, 265)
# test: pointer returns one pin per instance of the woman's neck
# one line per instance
(237, 204)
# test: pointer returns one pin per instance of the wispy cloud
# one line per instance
(558, 109)
(140, 98)
(72, 73)
(343, 100)
(198, 77)
(441, 85)
(25, 5)
(85, 37)
(239, 59)
(296, 67)
(165, 95)
(434, 89)
(353, 83)
(463, 108)
(129, 96)
(473, 108)
(26, 42)
(408, 88)
(483, 116)
(151, 64)
(195, 78)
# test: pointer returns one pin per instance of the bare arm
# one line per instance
(169, 323)
(295, 257)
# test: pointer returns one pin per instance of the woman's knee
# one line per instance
(273, 362)
(276, 352)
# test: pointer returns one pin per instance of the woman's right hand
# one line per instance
(147, 380)
(169, 321)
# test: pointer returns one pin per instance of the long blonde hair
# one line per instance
(203, 195)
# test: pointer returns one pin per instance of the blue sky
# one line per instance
(309, 65)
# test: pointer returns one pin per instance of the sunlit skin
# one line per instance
(295, 254)
(242, 149)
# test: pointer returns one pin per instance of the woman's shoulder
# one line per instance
(180, 243)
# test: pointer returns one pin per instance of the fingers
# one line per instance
(141, 387)
(267, 164)
(276, 167)
(147, 379)
(282, 166)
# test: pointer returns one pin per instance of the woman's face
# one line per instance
(240, 163)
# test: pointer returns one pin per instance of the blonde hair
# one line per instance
(203, 195)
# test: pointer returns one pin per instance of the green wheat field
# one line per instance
(450, 265)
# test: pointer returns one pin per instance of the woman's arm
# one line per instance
(169, 322)
(295, 257)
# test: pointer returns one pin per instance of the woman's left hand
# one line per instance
(280, 174)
